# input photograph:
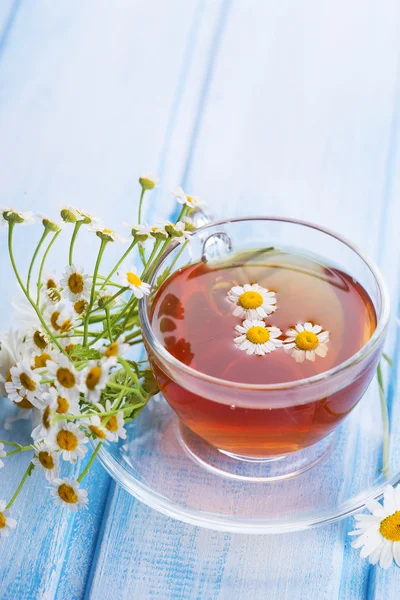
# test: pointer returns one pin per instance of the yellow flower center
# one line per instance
(93, 378)
(54, 319)
(306, 340)
(390, 527)
(41, 360)
(67, 440)
(107, 231)
(46, 460)
(50, 283)
(258, 335)
(27, 382)
(65, 377)
(112, 424)
(66, 326)
(3, 521)
(39, 340)
(133, 279)
(69, 348)
(62, 405)
(75, 283)
(192, 200)
(111, 350)
(54, 295)
(67, 493)
(80, 306)
(99, 433)
(249, 300)
(46, 417)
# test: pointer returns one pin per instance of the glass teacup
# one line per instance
(289, 423)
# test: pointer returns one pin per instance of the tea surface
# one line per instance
(193, 317)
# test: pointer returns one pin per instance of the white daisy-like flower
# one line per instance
(379, 533)
(60, 317)
(252, 301)
(256, 338)
(304, 342)
(178, 231)
(158, 232)
(7, 524)
(141, 233)
(66, 379)
(61, 405)
(95, 378)
(68, 493)
(50, 290)
(11, 349)
(3, 454)
(9, 215)
(108, 235)
(87, 218)
(117, 348)
(148, 182)
(129, 278)
(37, 340)
(25, 384)
(75, 283)
(68, 343)
(41, 422)
(66, 437)
(114, 424)
(39, 360)
(48, 223)
(69, 214)
(95, 427)
(190, 201)
(47, 460)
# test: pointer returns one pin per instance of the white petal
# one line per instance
(238, 290)
(317, 329)
(323, 337)
(321, 351)
(396, 553)
(372, 543)
(389, 500)
(299, 328)
(364, 517)
(376, 554)
(397, 496)
(308, 326)
(386, 555)
(299, 355)
(310, 355)
(247, 287)
(289, 346)
(375, 508)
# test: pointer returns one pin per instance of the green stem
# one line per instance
(19, 488)
(77, 227)
(385, 423)
(123, 257)
(17, 275)
(6, 442)
(140, 205)
(39, 284)
(109, 325)
(132, 336)
(20, 449)
(44, 235)
(92, 293)
(86, 469)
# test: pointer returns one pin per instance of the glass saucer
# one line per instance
(164, 467)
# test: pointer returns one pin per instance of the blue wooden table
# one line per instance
(286, 107)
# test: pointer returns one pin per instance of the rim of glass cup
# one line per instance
(366, 350)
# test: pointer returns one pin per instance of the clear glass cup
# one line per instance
(305, 413)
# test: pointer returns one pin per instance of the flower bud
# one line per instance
(147, 182)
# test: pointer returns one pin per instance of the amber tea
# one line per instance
(263, 317)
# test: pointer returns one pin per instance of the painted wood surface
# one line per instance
(259, 107)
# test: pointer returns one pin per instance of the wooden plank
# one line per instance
(296, 118)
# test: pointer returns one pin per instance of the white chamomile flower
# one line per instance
(256, 338)
(141, 233)
(69, 214)
(148, 182)
(39, 360)
(50, 290)
(107, 235)
(68, 493)
(9, 215)
(183, 198)
(37, 340)
(379, 533)
(75, 283)
(25, 384)
(61, 405)
(11, 349)
(252, 301)
(117, 348)
(114, 424)
(7, 524)
(47, 460)
(95, 378)
(306, 341)
(66, 437)
(48, 223)
(66, 379)
(41, 421)
(178, 231)
(60, 318)
(94, 425)
(69, 343)
(158, 232)
(129, 278)
(2, 455)
(87, 218)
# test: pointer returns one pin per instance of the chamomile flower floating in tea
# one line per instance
(256, 338)
(379, 533)
(68, 493)
(47, 460)
(7, 524)
(304, 342)
(252, 301)
(75, 283)
(130, 279)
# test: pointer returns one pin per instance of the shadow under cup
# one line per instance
(266, 422)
